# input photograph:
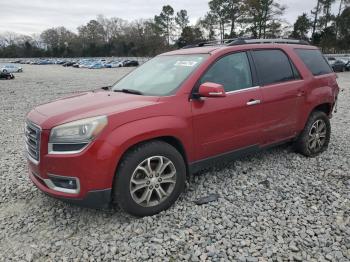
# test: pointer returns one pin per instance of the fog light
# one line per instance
(63, 184)
(69, 183)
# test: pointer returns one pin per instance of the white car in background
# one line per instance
(11, 69)
(115, 64)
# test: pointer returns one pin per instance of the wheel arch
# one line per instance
(325, 107)
(169, 139)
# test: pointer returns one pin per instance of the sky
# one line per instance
(34, 16)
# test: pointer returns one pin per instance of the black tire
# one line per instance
(132, 159)
(304, 142)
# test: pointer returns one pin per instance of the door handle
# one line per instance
(253, 102)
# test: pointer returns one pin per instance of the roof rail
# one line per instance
(245, 41)
(212, 43)
(242, 41)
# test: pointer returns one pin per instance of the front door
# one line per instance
(233, 122)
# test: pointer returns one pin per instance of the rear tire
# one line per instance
(315, 137)
(149, 179)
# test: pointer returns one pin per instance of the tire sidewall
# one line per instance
(127, 167)
(304, 137)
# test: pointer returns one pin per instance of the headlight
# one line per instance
(75, 135)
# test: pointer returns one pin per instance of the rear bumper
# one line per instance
(92, 199)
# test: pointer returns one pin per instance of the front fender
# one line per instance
(132, 133)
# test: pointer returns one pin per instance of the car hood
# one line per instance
(88, 104)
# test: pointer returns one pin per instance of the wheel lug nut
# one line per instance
(157, 185)
(150, 187)
(148, 182)
(159, 180)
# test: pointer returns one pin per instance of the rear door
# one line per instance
(282, 91)
(229, 123)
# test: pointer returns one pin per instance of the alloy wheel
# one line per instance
(317, 135)
(153, 181)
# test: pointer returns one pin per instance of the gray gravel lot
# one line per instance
(274, 206)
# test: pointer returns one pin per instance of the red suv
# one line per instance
(180, 112)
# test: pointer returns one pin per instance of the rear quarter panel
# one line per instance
(318, 90)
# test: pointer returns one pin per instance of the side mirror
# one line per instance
(209, 89)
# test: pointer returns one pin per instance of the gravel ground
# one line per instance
(274, 206)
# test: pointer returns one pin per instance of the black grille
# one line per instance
(32, 137)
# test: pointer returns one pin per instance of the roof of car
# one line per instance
(218, 48)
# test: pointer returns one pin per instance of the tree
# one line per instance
(342, 5)
(182, 19)
(263, 16)
(58, 40)
(234, 12)
(208, 23)
(92, 32)
(344, 29)
(316, 14)
(165, 22)
(190, 35)
(51, 38)
(327, 16)
(218, 9)
(301, 27)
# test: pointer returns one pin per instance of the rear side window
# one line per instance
(315, 61)
(273, 66)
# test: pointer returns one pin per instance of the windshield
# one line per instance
(161, 75)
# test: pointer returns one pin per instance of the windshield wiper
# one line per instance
(129, 91)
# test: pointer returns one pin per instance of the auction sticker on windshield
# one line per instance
(186, 63)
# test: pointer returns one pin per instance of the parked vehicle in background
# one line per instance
(67, 64)
(331, 60)
(129, 63)
(86, 63)
(7, 76)
(178, 113)
(114, 64)
(11, 69)
(96, 66)
(43, 62)
(338, 66)
(347, 66)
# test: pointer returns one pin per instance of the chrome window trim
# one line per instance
(243, 90)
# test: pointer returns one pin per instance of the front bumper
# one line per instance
(92, 199)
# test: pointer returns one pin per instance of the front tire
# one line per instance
(315, 137)
(149, 179)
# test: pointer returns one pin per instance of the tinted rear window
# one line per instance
(273, 66)
(315, 61)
